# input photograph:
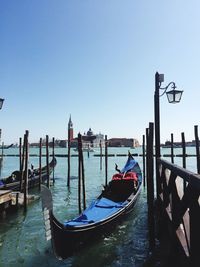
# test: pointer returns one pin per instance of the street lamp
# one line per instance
(1, 102)
(174, 96)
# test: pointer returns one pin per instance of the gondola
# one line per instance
(6, 147)
(115, 201)
(13, 181)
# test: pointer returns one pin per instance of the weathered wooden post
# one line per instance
(40, 163)
(143, 158)
(83, 176)
(150, 186)
(172, 148)
(79, 172)
(22, 166)
(68, 156)
(147, 140)
(53, 155)
(197, 148)
(106, 160)
(47, 160)
(184, 157)
(26, 172)
(20, 162)
(183, 150)
(100, 145)
(20, 153)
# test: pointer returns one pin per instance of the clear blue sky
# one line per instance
(96, 60)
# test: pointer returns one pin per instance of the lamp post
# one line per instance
(174, 96)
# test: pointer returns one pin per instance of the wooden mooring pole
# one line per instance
(53, 155)
(68, 157)
(22, 165)
(40, 163)
(197, 147)
(26, 171)
(184, 157)
(100, 145)
(172, 148)
(106, 160)
(47, 160)
(21, 162)
(143, 158)
(150, 186)
(81, 175)
(20, 153)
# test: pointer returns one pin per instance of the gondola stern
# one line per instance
(53, 228)
(47, 208)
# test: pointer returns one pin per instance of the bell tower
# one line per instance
(70, 129)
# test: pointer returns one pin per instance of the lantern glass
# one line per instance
(174, 96)
(1, 102)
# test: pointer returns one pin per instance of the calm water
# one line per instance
(22, 236)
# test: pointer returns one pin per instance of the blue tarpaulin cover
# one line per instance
(98, 210)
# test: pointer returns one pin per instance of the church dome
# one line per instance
(90, 132)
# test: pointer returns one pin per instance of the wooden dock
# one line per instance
(5, 199)
(9, 199)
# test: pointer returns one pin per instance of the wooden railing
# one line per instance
(179, 192)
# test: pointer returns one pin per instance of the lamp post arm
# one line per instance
(173, 86)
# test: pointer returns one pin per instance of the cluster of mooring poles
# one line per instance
(81, 172)
(24, 169)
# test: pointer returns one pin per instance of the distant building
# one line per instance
(88, 139)
(123, 142)
(91, 139)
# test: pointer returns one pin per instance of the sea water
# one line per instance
(22, 235)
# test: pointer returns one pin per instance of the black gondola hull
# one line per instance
(67, 241)
(33, 180)
(119, 196)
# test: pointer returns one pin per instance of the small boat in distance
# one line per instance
(115, 201)
(13, 181)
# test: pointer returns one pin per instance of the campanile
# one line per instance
(70, 129)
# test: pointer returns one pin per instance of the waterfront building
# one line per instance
(123, 142)
(92, 140)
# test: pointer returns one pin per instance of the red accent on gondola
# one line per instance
(127, 176)
(117, 176)
(130, 176)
